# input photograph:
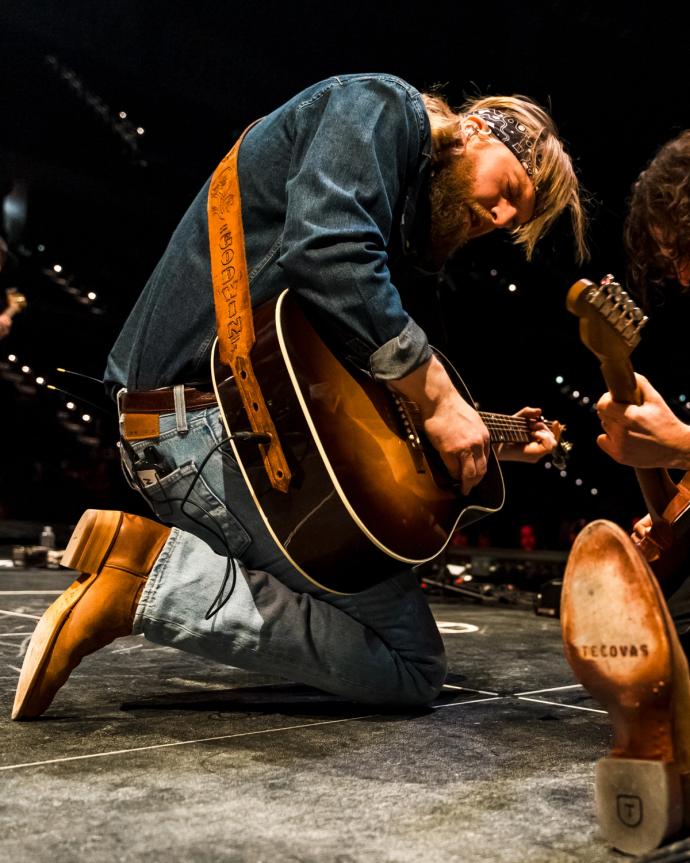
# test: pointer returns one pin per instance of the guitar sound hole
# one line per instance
(255, 406)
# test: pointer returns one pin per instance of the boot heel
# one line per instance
(91, 540)
(639, 803)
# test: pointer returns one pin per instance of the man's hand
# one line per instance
(641, 528)
(543, 440)
(646, 435)
(452, 425)
(5, 325)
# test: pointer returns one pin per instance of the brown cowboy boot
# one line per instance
(622, 646)
(115, 553)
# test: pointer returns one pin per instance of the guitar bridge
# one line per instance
(409, 431)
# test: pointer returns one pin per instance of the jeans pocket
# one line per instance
(184, 499)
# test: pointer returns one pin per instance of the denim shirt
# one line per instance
(334, 188)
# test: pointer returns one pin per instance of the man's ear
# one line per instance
(473, 124)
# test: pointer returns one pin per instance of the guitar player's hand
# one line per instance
(5, 325)
(452, 425)
(641, 528)
(543, 440)
(647, 435)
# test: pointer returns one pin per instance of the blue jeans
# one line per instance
(380, 646)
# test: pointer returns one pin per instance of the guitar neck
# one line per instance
(656, 485)
(620, 381)
(503, 428)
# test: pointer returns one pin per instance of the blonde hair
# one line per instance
(556, 184)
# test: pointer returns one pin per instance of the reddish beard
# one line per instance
(451, 203)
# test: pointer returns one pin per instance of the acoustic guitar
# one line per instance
(368, 494)
(610, 325)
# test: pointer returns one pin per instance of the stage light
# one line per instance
(512, 288)
(493, 272)
(86, 418)
(26, 369)
(682, 398)
(12, 358)
(576, 394)
(564, 473)
(122, 115)
(40, 381)
(91, 295)
(594, 491)
(578, 482)
(140, 130)
(70, 406)
(57, 268)
(548, 465)
(559, 379)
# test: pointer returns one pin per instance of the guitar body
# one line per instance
(368, 495)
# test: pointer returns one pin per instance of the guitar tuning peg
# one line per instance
(596, 298)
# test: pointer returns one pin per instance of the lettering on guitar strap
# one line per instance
(229, 282)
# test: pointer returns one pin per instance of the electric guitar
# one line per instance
(368, 495)
(610, 325)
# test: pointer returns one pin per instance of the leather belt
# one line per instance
(162, 401)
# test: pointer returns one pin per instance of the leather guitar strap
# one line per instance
(234, 321)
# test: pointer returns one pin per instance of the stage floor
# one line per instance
(151, 754)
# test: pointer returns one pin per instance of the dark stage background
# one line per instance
(84, 190)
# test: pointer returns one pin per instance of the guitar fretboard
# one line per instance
(506, 428)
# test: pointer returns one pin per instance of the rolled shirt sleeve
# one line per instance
(401, 355)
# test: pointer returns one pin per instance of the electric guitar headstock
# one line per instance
(16, 302)
(610, 324)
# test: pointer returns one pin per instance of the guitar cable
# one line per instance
(152, 460)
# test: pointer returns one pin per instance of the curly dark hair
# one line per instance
(660, 200)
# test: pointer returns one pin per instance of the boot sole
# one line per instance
(86, 551)
(617, 643)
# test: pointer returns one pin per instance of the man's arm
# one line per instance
(452, 425)
(354, 149)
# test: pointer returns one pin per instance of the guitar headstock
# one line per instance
(610, 321)
(16, 301)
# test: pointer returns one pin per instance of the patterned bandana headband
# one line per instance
(513, 134)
